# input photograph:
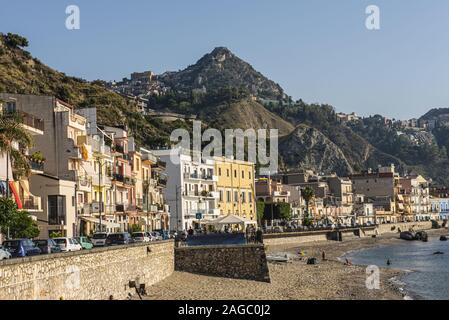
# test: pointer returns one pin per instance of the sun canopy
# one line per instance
(230, 220)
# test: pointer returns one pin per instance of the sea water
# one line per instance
(428, 276)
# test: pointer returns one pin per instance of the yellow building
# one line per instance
(236, 188)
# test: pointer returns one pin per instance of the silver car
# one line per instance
(4, 254)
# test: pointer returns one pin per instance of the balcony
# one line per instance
(77, 122)
(211, 194)
(124, 179)
(198, 176)
(36, 166)
(31, 123)
(281, 193)
(125, 208)
(191, 193)
(84, 184)
(32, 204)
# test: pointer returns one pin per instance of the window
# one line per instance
(235, 173)
(227, 172)
(221, 195)
(243, 174)
(56, 210)
(243, 197)
(249, 175)
(250, 196)
(228, 196)
(10, 106)
(219, 172)
(236, 196)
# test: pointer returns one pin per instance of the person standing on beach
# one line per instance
(323, 255)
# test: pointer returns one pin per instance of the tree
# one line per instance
(11, 130)
(23, 226)
(135, 228)
(56, 234)
(7, 209)
(284, 211)
(308, 195)
(260, 207)
(15, 41)
(19, 223)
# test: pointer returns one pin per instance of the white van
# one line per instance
(68, 244)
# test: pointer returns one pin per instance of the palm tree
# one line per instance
(12, 132)
(308, 195)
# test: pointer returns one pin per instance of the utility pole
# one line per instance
(177, 213)
(272, 198)
(7, 175)
(100, 194)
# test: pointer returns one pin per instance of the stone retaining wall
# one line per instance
(404, 226)
(314, 236)
(86, 275)
(240, 262)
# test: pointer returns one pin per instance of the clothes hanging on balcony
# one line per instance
(13, 189)
(84, 152)
(3, 188)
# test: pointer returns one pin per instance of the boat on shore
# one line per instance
(444, 238)
(412, 236)
(407, 235)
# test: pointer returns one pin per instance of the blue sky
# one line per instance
(317, 50)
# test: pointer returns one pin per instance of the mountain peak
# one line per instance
(222, 69)
(220, 51)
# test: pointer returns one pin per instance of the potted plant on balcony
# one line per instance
(37, 157)
(204, 193)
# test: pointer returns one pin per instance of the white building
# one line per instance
(191, 190)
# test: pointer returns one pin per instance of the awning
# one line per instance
(103, 222)
(230, 220)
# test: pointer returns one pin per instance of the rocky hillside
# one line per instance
(307, 147)
(244, 114)
(222, 69)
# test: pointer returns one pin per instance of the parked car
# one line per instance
(77, 244)
(99, 239)
(85, 242)
(141, 237)
(47, 246)
(4, 254)
(164, 234)
(21, 248)
(68, 244)
(156, 236)
(119, 239)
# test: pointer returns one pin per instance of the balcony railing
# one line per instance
(125, 207)
(124, 179)
(31, 121)
(35, 165)
(198, 176)
(31, 203)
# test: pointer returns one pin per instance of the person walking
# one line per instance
(259, 236)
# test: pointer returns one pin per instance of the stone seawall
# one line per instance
(86, 275)
(404, 226)
(240, 262)
(314, 236)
